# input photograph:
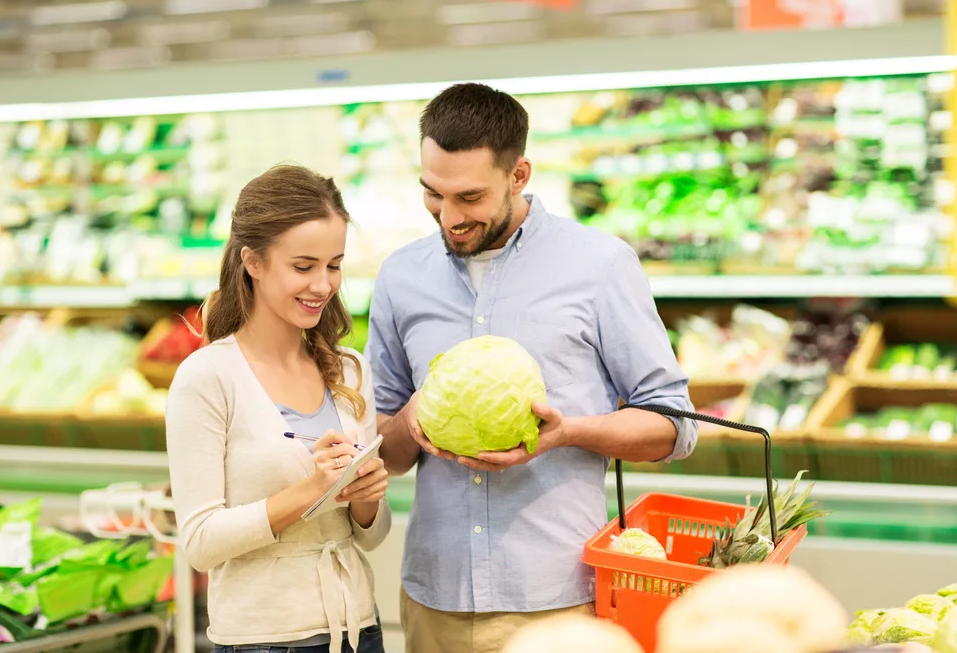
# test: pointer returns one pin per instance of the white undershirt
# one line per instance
(477, 264)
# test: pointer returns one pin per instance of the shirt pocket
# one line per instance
(553, 347)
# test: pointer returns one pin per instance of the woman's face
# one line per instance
(301, 271)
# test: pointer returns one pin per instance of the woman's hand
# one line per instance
(332, 453)
(370, 486)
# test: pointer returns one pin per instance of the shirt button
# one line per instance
(480, 319)
(478, 479)
(478, 529)
(520, 244)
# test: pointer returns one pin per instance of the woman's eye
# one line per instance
(303, 269)
(335, 267)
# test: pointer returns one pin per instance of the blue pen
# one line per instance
(310, 438)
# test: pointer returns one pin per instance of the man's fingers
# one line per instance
(478, 465)
(503, 458)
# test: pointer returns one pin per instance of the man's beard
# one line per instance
(492, 232)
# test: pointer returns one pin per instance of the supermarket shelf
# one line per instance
(861, 511)
(358, 291)
(803, 286)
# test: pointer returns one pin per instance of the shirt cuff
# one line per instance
(686, 440)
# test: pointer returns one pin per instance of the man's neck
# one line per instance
(520, 209)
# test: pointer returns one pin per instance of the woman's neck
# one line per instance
(268, 337)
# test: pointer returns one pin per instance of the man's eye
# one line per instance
(471, 200)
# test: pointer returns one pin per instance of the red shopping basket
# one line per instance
(633, 591)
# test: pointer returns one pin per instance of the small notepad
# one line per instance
(328, 501)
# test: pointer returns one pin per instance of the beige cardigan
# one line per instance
(227, 455)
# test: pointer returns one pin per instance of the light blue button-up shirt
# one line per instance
(578, 300)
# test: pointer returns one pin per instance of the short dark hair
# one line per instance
(471, 116)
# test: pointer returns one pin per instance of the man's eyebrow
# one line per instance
(464, 193)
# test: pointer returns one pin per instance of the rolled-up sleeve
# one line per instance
(636, 351)
(391, 371)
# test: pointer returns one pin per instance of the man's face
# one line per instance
(469, 197)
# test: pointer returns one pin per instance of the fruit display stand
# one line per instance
(908, 440)
(100, 592)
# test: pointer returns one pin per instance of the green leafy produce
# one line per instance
(861, 630)
(900, 625)
(478, 397)
(638, 542)
(931, 605)
(949, 591)
(750, 539)
(945, 639)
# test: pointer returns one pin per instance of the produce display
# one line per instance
(478, 397)
(37, 356)
(172, 340)
(935, 422)
(93, 369)
(51, 579)
(928, 619)
(756, 341)
(82, 200)
(920, 361)
(754, 609)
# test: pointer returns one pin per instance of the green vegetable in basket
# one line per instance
(637, 542)
(945, 639)
(931, 605)
(750, 540)
(140, 586)
(478, 397)
(65, 596)
(900, 625)
(861, 630)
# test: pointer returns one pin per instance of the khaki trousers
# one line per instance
(432, 631)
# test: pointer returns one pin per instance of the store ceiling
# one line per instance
(45, 35)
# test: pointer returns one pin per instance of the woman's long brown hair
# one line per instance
(281, 198)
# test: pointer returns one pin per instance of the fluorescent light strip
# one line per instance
(307, 97)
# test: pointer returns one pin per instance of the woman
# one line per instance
(240, 487)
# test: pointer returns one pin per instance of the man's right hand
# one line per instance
(407, 414)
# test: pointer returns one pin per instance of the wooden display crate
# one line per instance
(903, 327)
(37, 429)
(914, 460)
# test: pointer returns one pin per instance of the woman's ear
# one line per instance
(251, 262)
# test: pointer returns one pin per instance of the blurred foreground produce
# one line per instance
(50, 579)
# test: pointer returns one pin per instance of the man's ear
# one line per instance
(521, 174)
(251, 262)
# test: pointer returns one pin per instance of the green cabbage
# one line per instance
(935, 607)
(478, 397)
(861, 629)
(949, 591)
(945, 639)
(637, 542)
(900, 625)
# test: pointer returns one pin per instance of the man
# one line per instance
(495, 542)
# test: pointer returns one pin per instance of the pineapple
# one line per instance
(750, 539)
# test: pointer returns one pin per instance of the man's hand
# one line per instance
(415, 429)
(551, 434)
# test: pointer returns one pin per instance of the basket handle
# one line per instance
(674, 412)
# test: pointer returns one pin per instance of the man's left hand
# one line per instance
(551, 433)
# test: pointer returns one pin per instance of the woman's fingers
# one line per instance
(331, 438)
(342, 452)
